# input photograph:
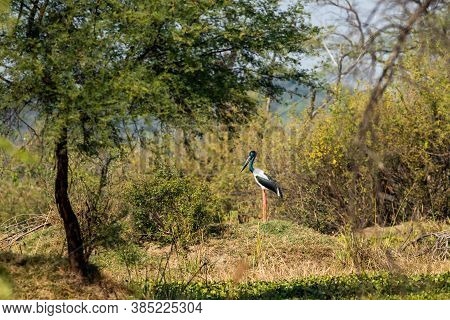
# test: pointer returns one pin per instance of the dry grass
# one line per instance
(270, 251)
(277, 250)
(280, 250)
(49, 277)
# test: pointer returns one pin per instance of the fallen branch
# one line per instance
(10, 240)
(440, 248)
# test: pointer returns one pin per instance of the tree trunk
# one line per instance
(77, 260)
(312, 103)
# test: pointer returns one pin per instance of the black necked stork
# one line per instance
(264, 181)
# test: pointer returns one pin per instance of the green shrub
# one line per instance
(168, 207)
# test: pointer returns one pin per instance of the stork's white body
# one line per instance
(259, 173)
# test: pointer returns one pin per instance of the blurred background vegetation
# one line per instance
(172, 185)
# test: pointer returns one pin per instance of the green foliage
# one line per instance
(19, 154)
(278, 228)
(94, 68)
(22, 182)
(5, 284)
(168, 207)
(402, 175)
(356, 286)
(130, 255)
(4, 6)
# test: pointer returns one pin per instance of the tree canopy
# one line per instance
(95, 65)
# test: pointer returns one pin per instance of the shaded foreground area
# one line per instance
(49, 277)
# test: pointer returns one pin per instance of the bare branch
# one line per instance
(388, 71)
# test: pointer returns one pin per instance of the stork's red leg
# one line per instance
(264, 205)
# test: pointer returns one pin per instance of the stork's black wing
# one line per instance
(270, 184)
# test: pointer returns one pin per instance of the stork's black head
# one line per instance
(251, 157)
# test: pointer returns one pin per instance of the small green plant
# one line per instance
(276, 227)
(169, 207)
(258, 247)
(358, 253)
(132, 257)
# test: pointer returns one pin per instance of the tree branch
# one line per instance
(388, 71)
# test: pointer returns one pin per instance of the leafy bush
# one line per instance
(169, 207)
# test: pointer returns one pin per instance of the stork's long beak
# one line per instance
(246, 163)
